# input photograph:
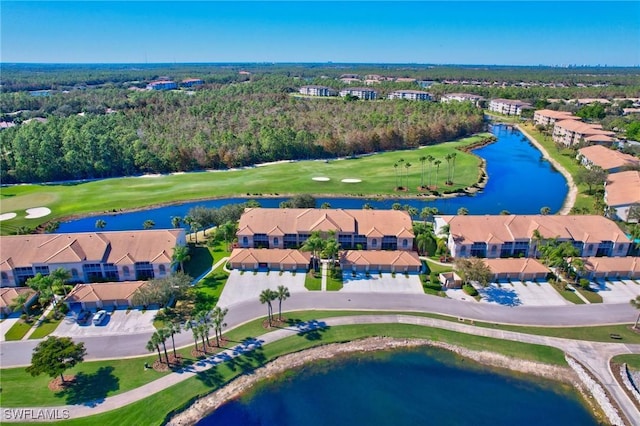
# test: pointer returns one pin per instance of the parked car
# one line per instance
(99, 317)
(83, 317)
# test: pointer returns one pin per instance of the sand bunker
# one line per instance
(7, 216)
(37, 212)
(321, 179)
(157, 175)
(351, 180)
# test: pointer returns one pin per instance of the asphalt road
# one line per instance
(14, 354)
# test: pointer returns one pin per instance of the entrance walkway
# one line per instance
(594, 355)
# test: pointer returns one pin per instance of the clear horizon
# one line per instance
(413, 33)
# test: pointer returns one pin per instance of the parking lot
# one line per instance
(247, 286)
(117, 322)
(381, 283)
(616, 291)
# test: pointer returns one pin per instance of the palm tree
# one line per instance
(453, 163)
(176, 221)
(314, 244)
(282, 294)
(437, 163)
(180, 255)
(266, 297)
(636, 304)
(463, 211)
(204, 320)
(422, 159)
(195, 225)
(217, 316)
(430, 159)
(60, 276)
(229, 230)
(395, 169)
(148, 224)
(19, 302)
(193, 326)
(545, 210)
(100, 224)
(162, 336)
(367, 206)
(448, 159)
(406, 166)
(174, 328)
(153, 345)
(325, 205)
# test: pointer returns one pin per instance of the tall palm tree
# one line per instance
(19, 302)
(448, 159)
(636, 304)
(314, 244)
(162, 336)
(266, 298)
(153, 345)
(180, 255)
(217, 317)
(545, 210)
(453, 163)
(193, 326)
(229, 230)
(395, 169)
(60, 276)
(282, 294)
(407, 165)
(430, 159)
(100, 224)
(204, 320)
(148, 224)
(437, 163)
(423, 159)
(173, 329)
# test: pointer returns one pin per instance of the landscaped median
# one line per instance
(105, 379)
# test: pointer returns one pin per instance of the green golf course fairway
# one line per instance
(376, 172)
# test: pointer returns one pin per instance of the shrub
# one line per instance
(584, 283)
(470, 290)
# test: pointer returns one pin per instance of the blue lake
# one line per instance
(409, 387)
(520, 181)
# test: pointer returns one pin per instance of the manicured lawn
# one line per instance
(569, 295)
(18, 330)
(334, 283)
(591, 296)
(46, 327)
(200, 260)
(632, 360)
(376, 172)
(152, 410)
(313, 281)
(437, 268)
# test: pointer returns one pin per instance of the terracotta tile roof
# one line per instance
(468, 229)
(608, 158)
(285, 256)
(516, 265)
(623, 188)
(583, 128)
(103, 291)
(302, 221)
(380, 257)
(556, 114)
(9, 294)
(612, 264)
(107, 247)
(511, 102)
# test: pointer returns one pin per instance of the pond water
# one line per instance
(520, 181)
(408, 387)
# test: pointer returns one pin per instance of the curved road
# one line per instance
(14, 354)
(594, 355)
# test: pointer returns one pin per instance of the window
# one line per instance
(405, 243)
(162, 269)
(144, 270)
(374, 243)
(494, 249)
(126, 272)
(463, 250)
(44, 270)
(245, 241)
(590, 247)
(4, 276)
(74, 274)
(276, 241)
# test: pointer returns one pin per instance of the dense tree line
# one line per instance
(234, 125)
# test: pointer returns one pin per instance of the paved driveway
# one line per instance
(116, 323)
(7, 323)
(248, 286)
(518, 293)
(616, 291)
(381, 283)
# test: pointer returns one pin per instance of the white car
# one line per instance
(99, 317)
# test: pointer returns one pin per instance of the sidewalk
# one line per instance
(46, 312)
(323, 286)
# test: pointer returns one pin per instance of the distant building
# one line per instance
(40, 93)
(6, 124)
(508, 106)
(413, 95)
(313, 90)
(588, 101)
(612, 267)
(573, 132)
(350, 80)
(425, 83)
(162, 85)
(548, 117)
(191, 82)
(359, 92)
(462, 97)
(607, 159)
(405, 80)
(621, 192)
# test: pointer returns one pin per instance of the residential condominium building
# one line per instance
(607, 159)
(360, 93)
(162, 85)
(548, 117)
(313, 90)
(495, 236)
(508, 106)
(90, 256)
(191, 82)
(573, 132)
(621, 192)
(354, 229)
(462, 97)
(413, 95)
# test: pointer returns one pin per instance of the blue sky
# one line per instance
(449, 32)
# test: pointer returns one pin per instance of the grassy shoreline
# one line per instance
(379, 179)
